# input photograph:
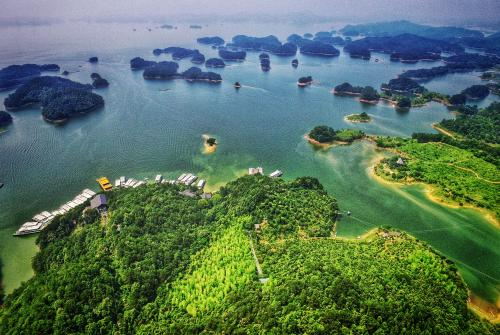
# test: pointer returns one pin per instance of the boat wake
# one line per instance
(255, 88)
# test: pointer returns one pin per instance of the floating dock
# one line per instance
(41, 220)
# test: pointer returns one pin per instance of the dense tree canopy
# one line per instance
(15, 75)
(5, 118)
(483, 124)
(162, 263)
(59, 98)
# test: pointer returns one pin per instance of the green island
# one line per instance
(361, 117)
(325, 135)
(463, 167)
(259, 257)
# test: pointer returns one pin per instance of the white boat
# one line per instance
(90, 193)
(276, 174)
(191, 180)
(139, 183)
(158, 178)
(201, 184)
(182, 176)
(123, 180)
(118, 183)
(186, 177)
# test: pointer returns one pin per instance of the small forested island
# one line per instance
(304, 81)
(414, 57)
(404, 103)
(363, 117)
(139, 63)
(98, 81)
(359, 51)
(162, 70)
(178, 53)
(465, 62)
(215, 40)
(215, 63)
(347, 89)
(366, 94)
(298, 40)
(196, 74)
(324, 135)
(59, 98)
(196, 261)
(319, 49)
(476, 92)
(268, 43)
(265, 64)
(15, 75)
(195, 26)
(369, 95)
(228, 55)
(420, 48)
(167, 70)
(5, 119)
(93, 59)
(166, 26)
(457, 99)
(198, 58)
(335, 40)
(211, 141)
(402, 85)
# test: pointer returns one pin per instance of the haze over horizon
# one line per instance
(424, 11)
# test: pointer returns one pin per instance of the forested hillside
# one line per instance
(162, 263)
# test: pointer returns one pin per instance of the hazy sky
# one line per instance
(419, 10)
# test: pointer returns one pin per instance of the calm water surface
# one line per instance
(143, 131)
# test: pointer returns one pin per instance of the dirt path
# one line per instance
(257, 264)
(474, 172)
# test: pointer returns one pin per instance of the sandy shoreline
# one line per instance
(431, 193)
(346, 118)
(324, 145)
(208, 149)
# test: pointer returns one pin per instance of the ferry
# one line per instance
(104, 183)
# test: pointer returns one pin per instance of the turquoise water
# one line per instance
(143, 131)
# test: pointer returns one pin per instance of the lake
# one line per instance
(143, 131)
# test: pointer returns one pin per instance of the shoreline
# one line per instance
(208, 149)
(323, 145)
(431, 194)
(346, 118)
(441, 130)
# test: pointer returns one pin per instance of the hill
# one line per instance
(160, 262)
(393, 28)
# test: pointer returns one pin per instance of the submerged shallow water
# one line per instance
(143, 131)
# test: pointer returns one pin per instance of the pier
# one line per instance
(41, 220)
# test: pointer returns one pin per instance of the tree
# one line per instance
(405, 102)
(369, 93)
(458, 99)
(5, 118)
